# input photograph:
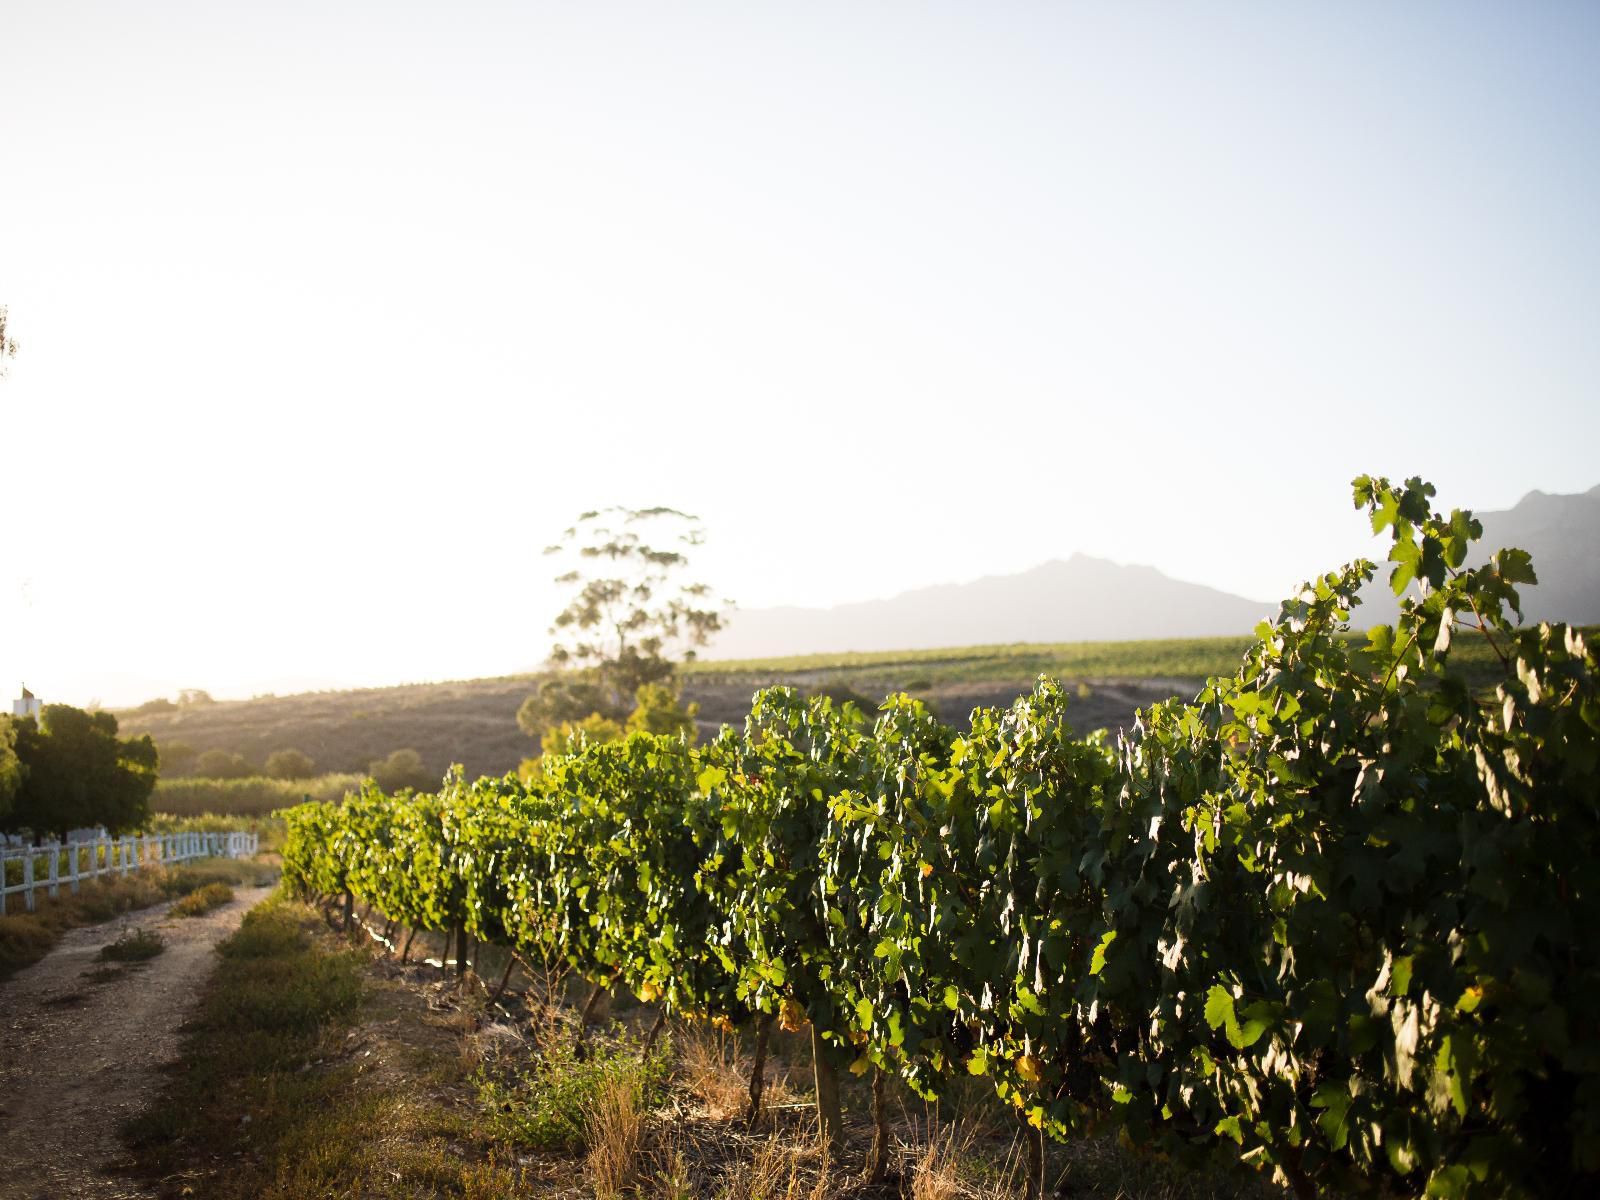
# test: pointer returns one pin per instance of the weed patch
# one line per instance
(27, 937)
(203, 900)
(551, 1105)
(615, 1136)
(137, 945)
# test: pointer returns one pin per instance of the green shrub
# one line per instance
(402, 769)
(137, 945)
(203, 900)
(548, 1106)
(221, 764)
(290, 764)
(265, 935)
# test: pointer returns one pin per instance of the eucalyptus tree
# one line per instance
(631, 617)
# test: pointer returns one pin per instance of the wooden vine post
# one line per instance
(829, 1118)
(759, 1071)
(1033, 1143)
(580, 1048)
(878, 1158)
(656, 1027)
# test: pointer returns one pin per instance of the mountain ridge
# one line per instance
(1559, 530)
(1079, 598)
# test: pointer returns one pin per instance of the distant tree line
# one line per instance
(402, 768)
(69, 770)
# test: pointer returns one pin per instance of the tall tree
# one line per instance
(10, 767)
(631, 620)
(78, 772)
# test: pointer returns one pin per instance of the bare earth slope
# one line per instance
(474, 722)
(79, 1055)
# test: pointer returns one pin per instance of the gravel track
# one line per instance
(82, 1047)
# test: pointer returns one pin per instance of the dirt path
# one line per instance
(81, 1048)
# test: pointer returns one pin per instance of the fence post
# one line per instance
(27, 879)
(74, 860)
(55, 871)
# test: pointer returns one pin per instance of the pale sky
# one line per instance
(332, 315)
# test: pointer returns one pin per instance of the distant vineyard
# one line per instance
(254, 796)
(1336, 915)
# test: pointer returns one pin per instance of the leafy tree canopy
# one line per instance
(658, 709)
(631, 619)
(176, 757)
(568, 697)
(10, 766)
(78, 772)
(402, 769)
(290, 764)
(222, 764)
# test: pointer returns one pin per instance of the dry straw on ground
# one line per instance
(616, 1122)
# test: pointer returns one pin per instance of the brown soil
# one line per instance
(82, 1044)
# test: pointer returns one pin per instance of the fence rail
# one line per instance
(49, 867)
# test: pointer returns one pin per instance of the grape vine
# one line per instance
(1336, 916)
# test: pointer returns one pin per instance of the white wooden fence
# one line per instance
(50, 866)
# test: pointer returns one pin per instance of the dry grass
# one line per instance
(943, 1170)
(373, 1079)
(472, 722)
(616, 1121)
(307, 1075)
(713, 1067)
(27, 937)
(203, 900)
(710, 1066)
(137, 945)
(783, 1168)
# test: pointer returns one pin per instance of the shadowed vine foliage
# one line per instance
(1336, 917)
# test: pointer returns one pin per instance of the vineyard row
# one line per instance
(1336, 916)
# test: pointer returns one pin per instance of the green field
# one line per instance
(1168, 657)
(1156, 658)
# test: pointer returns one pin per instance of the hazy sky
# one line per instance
(332, 315)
